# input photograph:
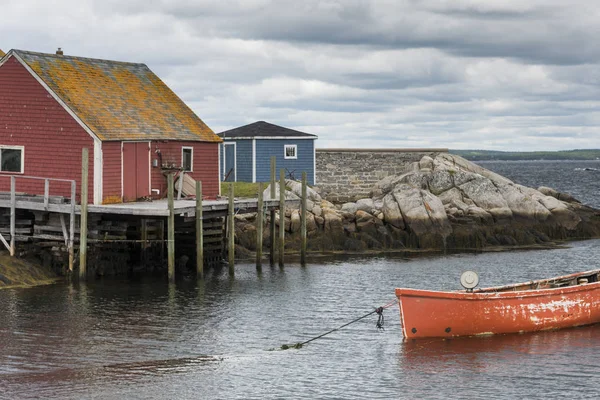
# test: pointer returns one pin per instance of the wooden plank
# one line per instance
(4, 242)
(272, 238)
(50, 228)
(84, 216)
(231, 232)
(17, 231)
(259, 227)
(281, 216)
(46, 193)
(72, 227)
(303, 237)
(50, 237)
(186, 186)
(213, 247)
(13, 203)
(171, 231)
(63, 226)
(199, 233)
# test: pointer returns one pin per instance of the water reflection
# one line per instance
(474, 353)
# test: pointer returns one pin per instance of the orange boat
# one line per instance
(561, 302)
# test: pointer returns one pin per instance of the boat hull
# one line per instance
(426, 313)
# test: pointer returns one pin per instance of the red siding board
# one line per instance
(52, 139)
(111, 182)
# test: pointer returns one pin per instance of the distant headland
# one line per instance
(485, 155)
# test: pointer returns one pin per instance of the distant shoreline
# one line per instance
(491, 155)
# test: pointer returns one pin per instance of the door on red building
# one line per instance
(136, 170)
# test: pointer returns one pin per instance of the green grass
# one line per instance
(242, 189)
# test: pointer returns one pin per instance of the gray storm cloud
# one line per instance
(506, 75)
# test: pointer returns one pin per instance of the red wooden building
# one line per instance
(136, 128)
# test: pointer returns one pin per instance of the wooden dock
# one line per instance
(155, 208)
(193, 229)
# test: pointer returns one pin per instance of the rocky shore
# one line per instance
(442, 203)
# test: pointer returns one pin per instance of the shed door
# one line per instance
(229, 163)
(136, 170)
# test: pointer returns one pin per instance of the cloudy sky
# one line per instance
(464, 74)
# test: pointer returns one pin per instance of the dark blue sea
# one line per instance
(145, 339)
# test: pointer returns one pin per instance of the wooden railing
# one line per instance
(45, 206)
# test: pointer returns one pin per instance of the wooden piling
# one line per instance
(46, 193)
(272, 237)
(71, 246)
(281, 216)
(13, 214)
(171, 230)
(199, 233)
(259, 227)
(303, 219)
(144, 241)
(84, 215)
(231, 232)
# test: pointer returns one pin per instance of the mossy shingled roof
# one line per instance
(118, 100)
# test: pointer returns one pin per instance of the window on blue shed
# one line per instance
(290, 151)
(11, 159)
(187, 154)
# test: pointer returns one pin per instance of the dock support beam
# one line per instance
(84, 215)
(199, 233)
(272, 237)
(281, 216)
(13, 214)
(231, 232)
(171, 231)
(259, 227)
(71, 246)
(144, 241)
(303, 219)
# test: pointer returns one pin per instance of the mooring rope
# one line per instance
(379, 325)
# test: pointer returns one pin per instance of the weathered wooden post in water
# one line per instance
(259, 227)
(272, 238)
(84, 215)
(13, 214)
(303, 219)
(171, 230)
(231, 232)
(72, 227)
(199, 233)
(281, 216)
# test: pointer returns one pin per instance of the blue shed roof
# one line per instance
(264, 130)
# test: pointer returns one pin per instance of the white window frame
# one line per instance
(290, 146)
(191, 158)
(22, 148)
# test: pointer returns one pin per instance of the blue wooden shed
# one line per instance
(246, 153)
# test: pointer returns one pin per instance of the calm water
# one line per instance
(148, 340)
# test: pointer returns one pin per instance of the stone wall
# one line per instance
(349, 174)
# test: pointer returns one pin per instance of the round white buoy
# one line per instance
(469, 279)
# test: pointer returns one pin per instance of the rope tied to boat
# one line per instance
(379, 325)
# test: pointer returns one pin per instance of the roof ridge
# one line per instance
(35, 53)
